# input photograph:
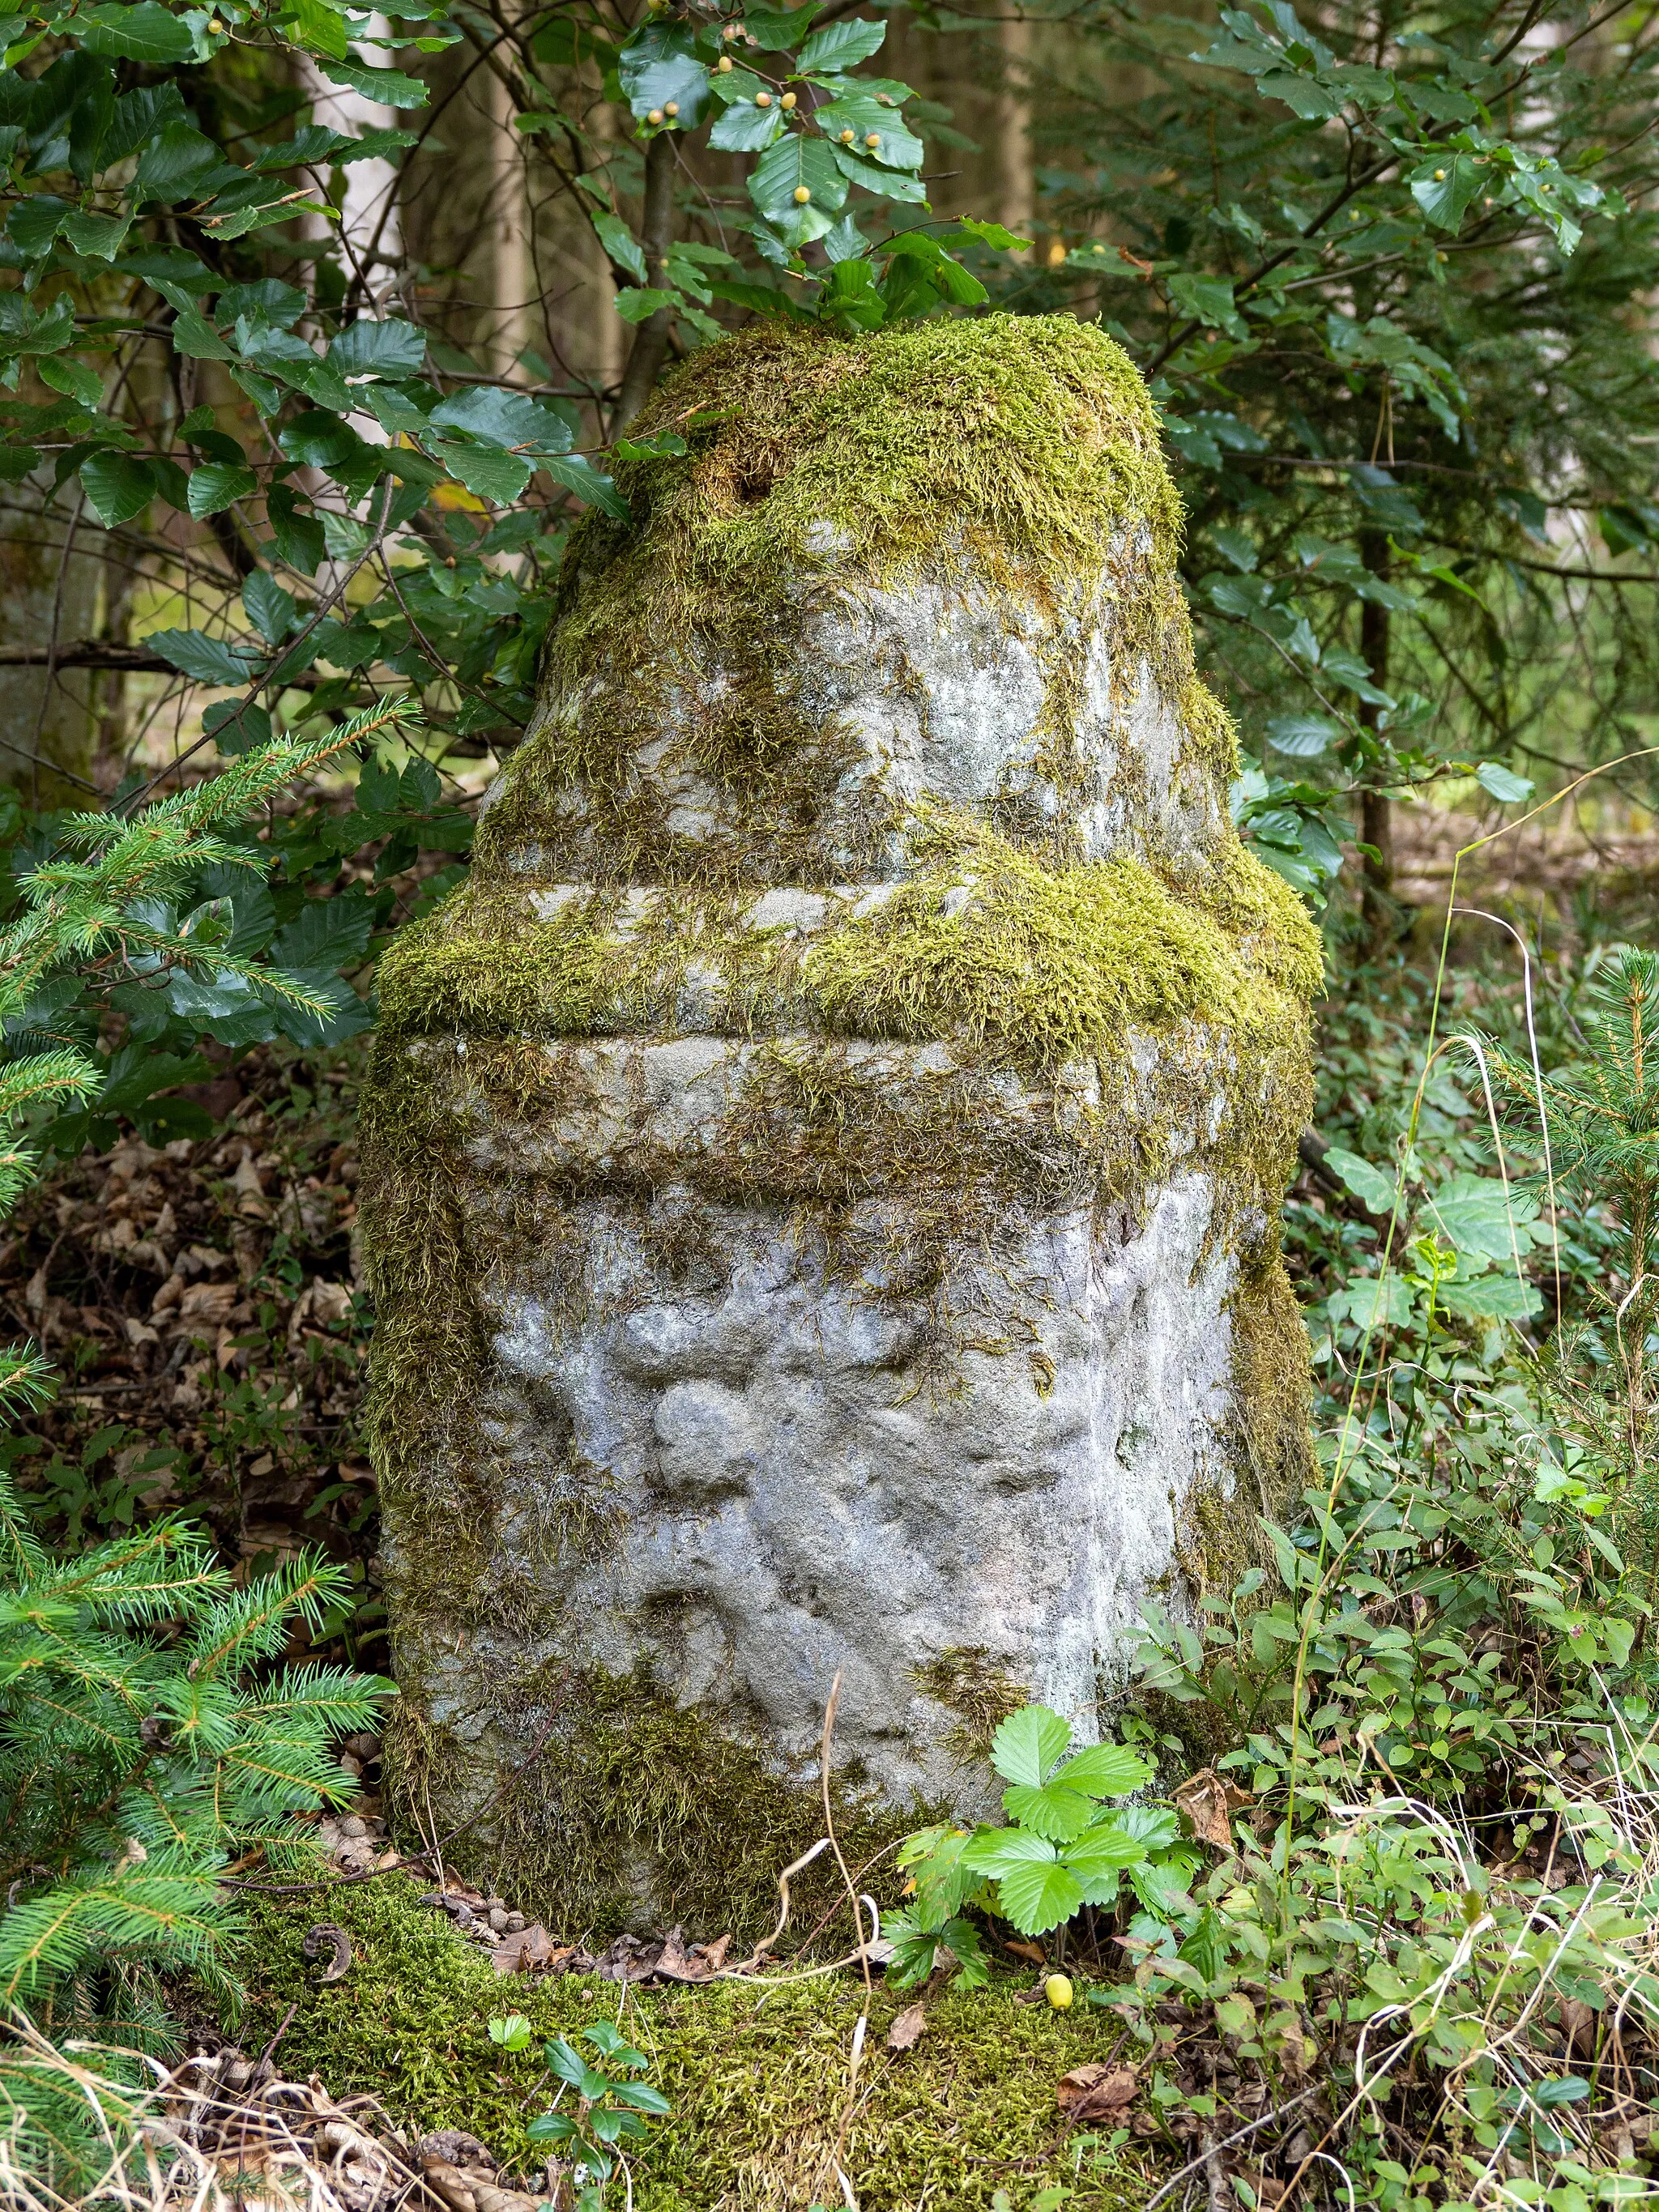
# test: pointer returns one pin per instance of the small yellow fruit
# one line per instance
(655, 116)
(801, 196)
(787, 101)
(730, 31)
(672, 108)
(872, 137)
(1440, 176)
(725, 65)
(848, 137)
(1058, 1990)
(762, 100)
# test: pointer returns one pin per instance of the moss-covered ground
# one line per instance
(757, 2072)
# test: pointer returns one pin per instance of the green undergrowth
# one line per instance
(757, 2073)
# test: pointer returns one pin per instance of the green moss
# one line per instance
(756, 2072)
(986, 944)
(642, 1811)
(428, 1339)
(971, 1683)
(983, 945)
(1019, 455)
(1212, 733)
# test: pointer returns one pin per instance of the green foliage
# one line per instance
(1597, 1114)
(145, 1732)
(1387, 273)
(611, 2109)
(1065, 1848)
(143, 1737)
(1443, 1705)
(146, 159)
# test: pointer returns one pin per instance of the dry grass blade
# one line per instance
(228, 2134)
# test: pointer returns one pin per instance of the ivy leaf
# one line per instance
(217, 486)
(840, 47)
(144, 33)
(1028, 1744)
(118, 486)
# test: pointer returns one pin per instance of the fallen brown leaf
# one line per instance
(1095, 2093)
(675, 1964)
(532, 1950)
(327, 1936)
(907, 2028)
(1207, 1799)
(1034, 1953)
(1578, 2025)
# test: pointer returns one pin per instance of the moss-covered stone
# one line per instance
(755, 2071)
(822, 1178)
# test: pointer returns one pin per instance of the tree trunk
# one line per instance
(1379, 908)
(512, 285)
(53, 592)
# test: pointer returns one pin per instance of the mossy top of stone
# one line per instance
(1018, 455)
(1019, 439)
